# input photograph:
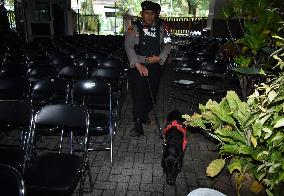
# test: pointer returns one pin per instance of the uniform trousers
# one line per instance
(140, 93)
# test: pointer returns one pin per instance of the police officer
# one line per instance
(147, 45)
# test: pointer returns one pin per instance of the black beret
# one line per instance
(149, 5)
(158, 7)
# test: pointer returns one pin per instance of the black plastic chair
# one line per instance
(58, 173)
(14, 88)
(40, 72)
(96, 96)
(89, 64)
(113, 76)
(185, 80)
(46, 91)
(11, 181)
(14, 70)
(71, 74)
(16, 116)
(212, 81)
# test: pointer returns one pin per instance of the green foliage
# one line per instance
(250, 132)
(259, 22)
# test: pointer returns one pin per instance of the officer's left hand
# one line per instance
(153, 59)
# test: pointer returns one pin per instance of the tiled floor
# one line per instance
(136, 169)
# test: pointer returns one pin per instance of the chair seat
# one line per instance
(98, 124)
(210, 88)
(11, 181)
(54, 172)
(13, 157)
(184, 83)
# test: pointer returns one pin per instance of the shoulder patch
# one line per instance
(130, 29)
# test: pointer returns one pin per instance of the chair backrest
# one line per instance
(217, 67)
(11, 181)
(91, 91)
(44, 71)
(14, 88)
(107, 73)
(60, 61)
(42, 92)
(62, 116)
(112, 62)
(14, 70)
(69, 119)
(73, 72)
(15, 114)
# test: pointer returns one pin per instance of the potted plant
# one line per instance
(250, 132)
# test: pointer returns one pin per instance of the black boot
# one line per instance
(137, 129)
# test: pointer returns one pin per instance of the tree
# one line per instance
(179, 8)
(198, 7)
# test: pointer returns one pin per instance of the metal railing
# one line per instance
(185, 25)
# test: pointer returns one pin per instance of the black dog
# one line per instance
(175, 141)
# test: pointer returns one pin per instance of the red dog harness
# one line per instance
(179, 127)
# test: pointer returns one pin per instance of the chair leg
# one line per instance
(82, 189)
(111, 147)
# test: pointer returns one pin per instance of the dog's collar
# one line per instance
(179, 127)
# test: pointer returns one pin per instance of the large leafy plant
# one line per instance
(251, 132)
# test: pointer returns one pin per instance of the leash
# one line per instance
(162, 136)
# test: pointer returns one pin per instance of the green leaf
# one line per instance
(256, 129)
(233, 100)
(277, 137)
(273, 167)
(236, 149)
(222, 114)
(234, 135)
(272, 95)
(260, 154)
(269, 192)
(281, 177)
(265, 118)
(242, 114)
(279, 123)
(196, 121)
(229, 149)
(235, 165)
(275, 156)
(210, 117)
(215, 167)
(247, 70)
(243, 149)
(268, 132)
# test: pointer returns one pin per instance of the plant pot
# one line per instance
(246, 185)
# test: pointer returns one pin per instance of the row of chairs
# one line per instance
(45, 173)
(49, 91)
(57, 173)
(199, 71)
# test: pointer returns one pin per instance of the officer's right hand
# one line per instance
(142, 69)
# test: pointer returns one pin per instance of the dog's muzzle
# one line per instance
(172, 167)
